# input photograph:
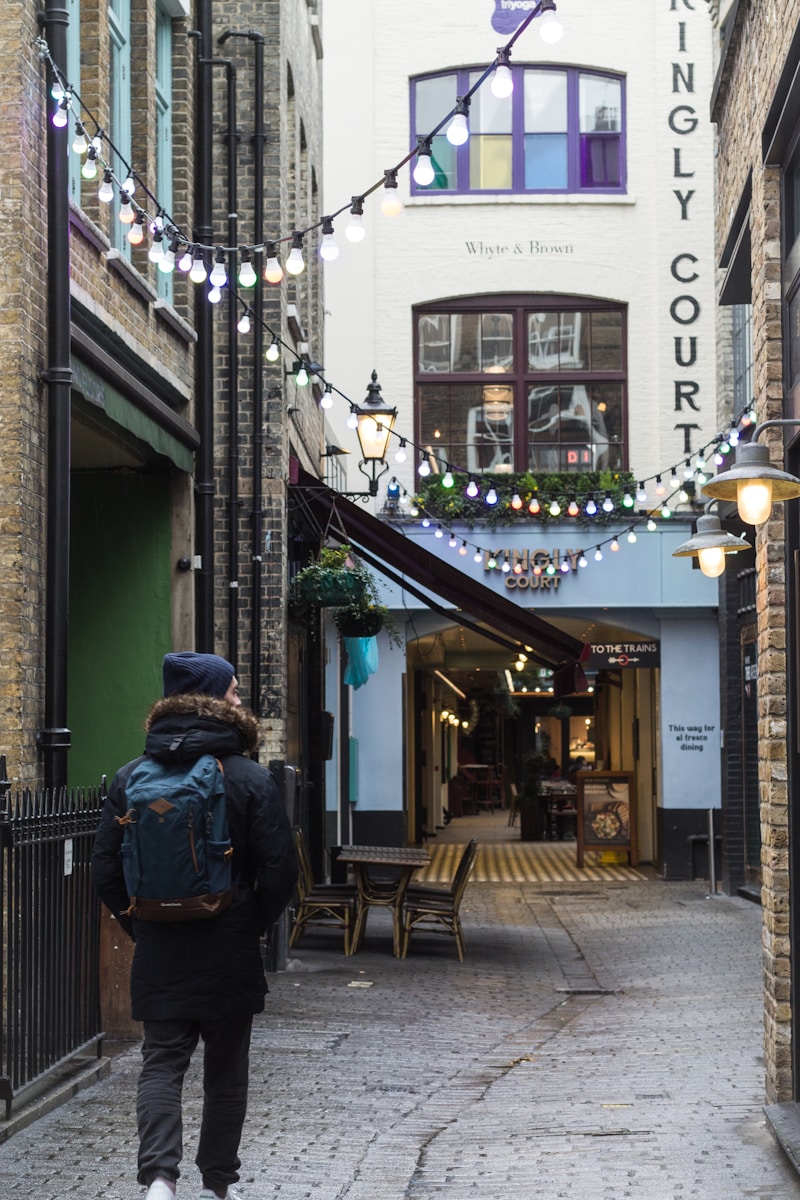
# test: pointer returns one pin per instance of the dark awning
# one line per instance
(397, 556)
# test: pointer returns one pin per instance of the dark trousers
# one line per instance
(166, 1052)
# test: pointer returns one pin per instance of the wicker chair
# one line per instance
(321, 903)
(436, 909)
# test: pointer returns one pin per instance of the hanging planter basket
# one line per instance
(330, 589)
(362, 624)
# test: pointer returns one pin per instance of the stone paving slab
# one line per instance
(600, 1043)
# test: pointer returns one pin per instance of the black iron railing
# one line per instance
(49, 932)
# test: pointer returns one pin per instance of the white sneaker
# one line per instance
(160, 1190)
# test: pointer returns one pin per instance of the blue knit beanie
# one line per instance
(188, 671)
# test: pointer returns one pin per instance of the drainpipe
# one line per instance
(55, 738)
(204, 354)
(233, 380)
(259, 138)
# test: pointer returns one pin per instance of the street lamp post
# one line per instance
(376, 421)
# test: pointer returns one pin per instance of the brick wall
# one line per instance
(750, 75)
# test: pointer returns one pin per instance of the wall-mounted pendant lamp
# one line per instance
(710, 544)
(753, 482)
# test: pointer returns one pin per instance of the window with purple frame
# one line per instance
(561, 130)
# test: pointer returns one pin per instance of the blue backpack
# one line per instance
(176, 850)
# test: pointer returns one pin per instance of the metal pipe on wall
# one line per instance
(204, 353)
(233, 378)
(54, 738)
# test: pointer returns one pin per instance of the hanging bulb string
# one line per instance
(175, 231)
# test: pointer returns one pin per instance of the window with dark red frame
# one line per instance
(561, 130)
(522, 383)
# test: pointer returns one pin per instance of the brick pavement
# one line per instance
(600, 1041)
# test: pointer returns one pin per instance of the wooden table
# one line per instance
(382, 893)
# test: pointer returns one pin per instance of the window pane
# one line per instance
(434, 342)
(543, 341)
(490, 163)
(573, 341)
(606, 354)
(434, 97)
(487, 113)
(607, 425)
(443, 158)
(567, 430)
(600, 104)
(600, 166)
(464, 427)
(545, 161)
(545, 97)
(465, 348)
(497, 342)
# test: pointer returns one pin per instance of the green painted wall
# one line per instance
(119, 627)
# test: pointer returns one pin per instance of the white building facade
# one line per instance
(546, 304)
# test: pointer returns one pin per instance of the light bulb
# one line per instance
(424, 468)
(272, 352)
(598, 555)
(400, 455)
(551, 30)
(477, 556)
(627, 499)
(614, 545)
(754, 499)
(591, 507)
(156, 251)
(712, 561)
(136, 231)
(491, 496)
(424, 173)
(502, 84)
(666, 511)
(301, 378)
(458, 129)
(79, 143)
(247, 274)
(328, 250)
(273, 271)
(391, 203)
(219, 276)
(166, 263)
(106, 190)
(57, 89)
(126, 213)
(651, 525)
(352, 422)
(473, 490)
(214, 295)
(660, 488)
(572, 508)
(244, 322)
(447, 479)
(555, 508)
(89, 168)
(608, 504)
(439, 532)
(355, 231)
(295, 264)
(631, 537)
(185, 261)
(61, 115)
(641, 495)
(516, 502)
(326, 399)
(534, 507)
(198, 273)
(583, 561)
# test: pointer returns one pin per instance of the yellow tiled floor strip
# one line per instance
(521, 862)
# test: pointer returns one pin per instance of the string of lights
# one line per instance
(168, 240)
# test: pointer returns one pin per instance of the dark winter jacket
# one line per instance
(207, 969)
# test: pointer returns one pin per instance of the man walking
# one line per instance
(201, 978)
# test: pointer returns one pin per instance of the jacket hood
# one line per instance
(208, 725)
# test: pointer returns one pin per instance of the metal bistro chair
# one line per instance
(437, 908)
(321, 903)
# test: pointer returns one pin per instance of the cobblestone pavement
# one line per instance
(600, 1041)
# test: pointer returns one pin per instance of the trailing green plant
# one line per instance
(338, 580)
(453, 505)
